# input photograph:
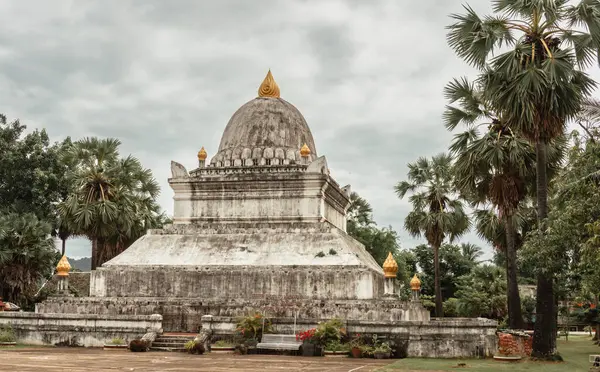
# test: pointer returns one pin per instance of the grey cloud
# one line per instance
(165, 77)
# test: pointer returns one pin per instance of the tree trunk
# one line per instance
(94, 253)
(439, 304)
(515, 315)
(64, 246)
(544, 336)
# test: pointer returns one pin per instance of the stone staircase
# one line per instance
(171, 342)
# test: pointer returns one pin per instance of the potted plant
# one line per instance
(382, 351)
(7, 336)
(355, 346)
(366, 350)
(116, 343)
(223, 347)
(252, 326)
(309, 343)
(194, 347)
(139, 345)
(336, 349)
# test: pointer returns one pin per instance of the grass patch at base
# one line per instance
(575, 353)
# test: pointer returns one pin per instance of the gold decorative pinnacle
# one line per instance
(269, 87)
(63, 266)
(304, 151)
(390, 266)
(202, 154)
(415, 283)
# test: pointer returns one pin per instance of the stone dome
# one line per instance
(265, 131)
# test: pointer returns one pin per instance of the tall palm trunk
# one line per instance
(94, 253)
(439, 305)
(64, 246)
(544, 337)
(515, 316)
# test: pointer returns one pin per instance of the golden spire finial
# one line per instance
(63, 266)
(304, 151)
(269, 87)
(202, 154)
(390, 266)
(415, 283)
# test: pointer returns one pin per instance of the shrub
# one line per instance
(329, 331)
(7, 334)
(117, 341)
(337, 346)
(320, 254)
(194, 347)
(139, 345)
(251, 326)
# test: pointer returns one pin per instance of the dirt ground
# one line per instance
(82, 359)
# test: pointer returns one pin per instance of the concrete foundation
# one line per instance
(184, 314)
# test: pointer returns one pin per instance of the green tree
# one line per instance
(112, 201)
(471, 252)
(377, 241)
(537, 85)
(31, 177)
(27, 255)
(454, 263)
(482, 293)
(437, 213)
(564, 249)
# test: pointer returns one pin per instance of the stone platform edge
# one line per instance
(437, 338)
(89, 330)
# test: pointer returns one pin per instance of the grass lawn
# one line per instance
(575, 352)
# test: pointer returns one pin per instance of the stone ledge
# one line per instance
(94, 317)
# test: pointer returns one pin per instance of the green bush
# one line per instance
(117, 341)
(330, 331)
(251, 326)
(7, 334)
(337, 346)
(194, 347)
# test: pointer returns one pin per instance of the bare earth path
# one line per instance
(82, 359)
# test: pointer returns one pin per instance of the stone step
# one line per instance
(173, 339)
(169, 349)
(168, 344)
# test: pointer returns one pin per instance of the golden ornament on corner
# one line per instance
(63, 266)
(202, 154)
(269, 87)
(304, 151)
(415, 283)
(390, 266)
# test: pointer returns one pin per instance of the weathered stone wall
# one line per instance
(246, 282)
(184, 314)
(438, 338)
(259, 195)
(78, 329)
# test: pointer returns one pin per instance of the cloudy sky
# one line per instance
(165, 76)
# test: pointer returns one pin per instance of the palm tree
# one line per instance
(490, 167)
(537, 85)
(113, 199)
(437, 213)
(471, 252)
(589, 118)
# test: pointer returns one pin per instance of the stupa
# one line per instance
(261, 226)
